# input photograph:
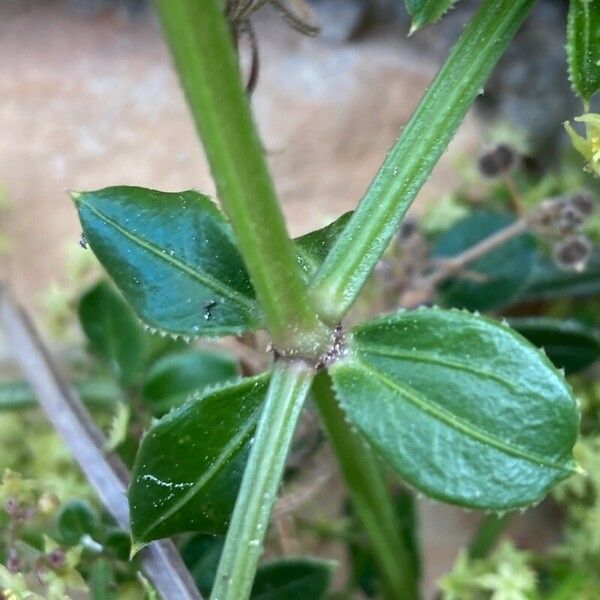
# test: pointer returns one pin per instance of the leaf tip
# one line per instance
(135, 548)
(75, 195)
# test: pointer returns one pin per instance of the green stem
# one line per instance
(370, 496)
(487, 534)
(200, 41)
(243, 546)
(411, 160)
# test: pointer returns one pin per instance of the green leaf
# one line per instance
(312, 248)
(102, 392)
(292, 579)
(548, 282)
(189, 465)
(113, 331)
(568, 344)
(504, 271)
(174, 377)
(174, 258)
(75, 520)
(424, 12)
(463, 407)
(118, 542)
(583, 47)
(201, 555)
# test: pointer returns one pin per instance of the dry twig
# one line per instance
(105, 472)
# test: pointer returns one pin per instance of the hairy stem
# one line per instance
(369, 495)
(243, 546)
(200, 41)
(409, 163)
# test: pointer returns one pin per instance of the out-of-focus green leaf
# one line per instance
(292, 579)
(569, 344)
(189, 465)
(503, 271)
(312, 248)
(424, 12)
(113, 331)
(201, 555)
(547, 281)
(174, 377)
(583, 46)
(96, 393)
(118, 542)
(463, 407)
(174, 258)
(75, 520)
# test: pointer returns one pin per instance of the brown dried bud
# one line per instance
(570, 218)
(584, 201)
(573, 253)
(497, 161)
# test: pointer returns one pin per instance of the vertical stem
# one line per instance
(370, 496)
(199, 38)
(412, 158)
(487, 534)
(243, 545)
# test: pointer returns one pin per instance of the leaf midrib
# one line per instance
(228, 452)
(429, 358)
(456, 423)
(199, 276)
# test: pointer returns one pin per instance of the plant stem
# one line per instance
(200, 41)
(454, 265)
(409, 163)
(370, 496)
(487, 534)
(243, 546)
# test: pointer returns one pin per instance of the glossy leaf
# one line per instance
(190, 463)
(503, 271)
(174, 258)
(173, 378)
(463, 407)
(113, 331)
(568, 344)
(424, 12)
(313, 247)
(292, 579)
(583, 47)
(547, 281)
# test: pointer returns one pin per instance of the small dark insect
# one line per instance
(83, 242)
(208, 309)
(238, 13)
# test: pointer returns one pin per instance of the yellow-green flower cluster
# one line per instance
(588, 146)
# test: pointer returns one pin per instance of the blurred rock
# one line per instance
(339, 20)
